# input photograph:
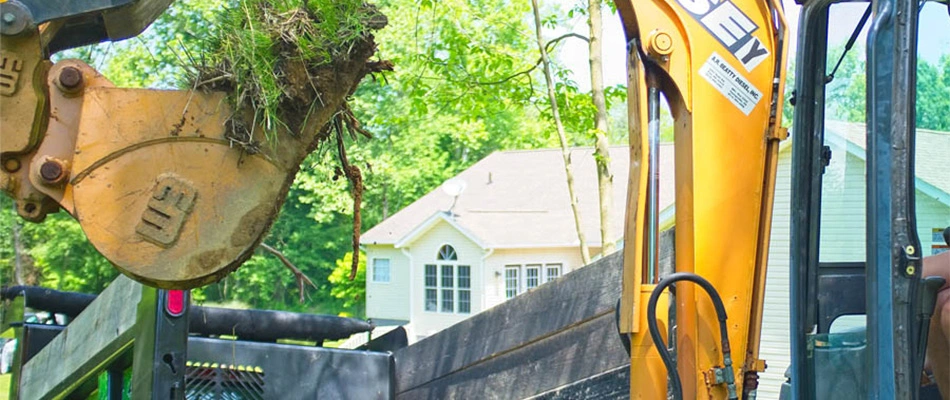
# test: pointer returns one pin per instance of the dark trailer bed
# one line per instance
(558, 341)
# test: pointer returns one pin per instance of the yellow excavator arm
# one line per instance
(720, 65)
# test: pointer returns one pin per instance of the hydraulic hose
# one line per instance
(676, 385)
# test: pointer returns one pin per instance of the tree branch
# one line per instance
(548, 46)
(562, 136)
(301, 278)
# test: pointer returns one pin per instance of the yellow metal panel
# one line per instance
(647, 373)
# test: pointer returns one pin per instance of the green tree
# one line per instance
(351, 292)
(846, 95)
(933, 94)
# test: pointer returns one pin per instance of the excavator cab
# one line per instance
(720, 65)
(862, 216)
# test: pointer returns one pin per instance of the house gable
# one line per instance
(436, 219)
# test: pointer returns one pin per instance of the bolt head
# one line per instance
(664, 42)
(14, 18)
(70, 78)
(661, 43)
(51, 171)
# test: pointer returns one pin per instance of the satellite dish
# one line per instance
(454, 187)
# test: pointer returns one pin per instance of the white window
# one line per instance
(447, 253)
(380, 270)
(448, 294)
(512, 281)
(551, 272)
(465, 289)
(448, 286)
(938, 242)
(521, 278)
(431, 285)
(532, 276)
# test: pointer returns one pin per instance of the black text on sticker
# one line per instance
(728, 24)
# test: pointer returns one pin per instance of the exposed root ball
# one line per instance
(279, 59)
(289, 67)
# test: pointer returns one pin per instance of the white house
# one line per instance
(442, 259)
(511, 229)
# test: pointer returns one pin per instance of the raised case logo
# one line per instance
(731, 27)
(10, 67)
(171, 202)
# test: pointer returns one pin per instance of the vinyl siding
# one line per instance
(843, 220)
(774, 345)
(842, 236)
(931, 214)
(388, 300)
(494, 277)
(424, 250)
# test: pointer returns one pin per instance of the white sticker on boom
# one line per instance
(730, 83)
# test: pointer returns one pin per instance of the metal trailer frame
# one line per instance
(127, 327)
(125, 344)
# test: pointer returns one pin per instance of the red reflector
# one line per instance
(175, 302)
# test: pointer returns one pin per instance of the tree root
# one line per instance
(345, 121)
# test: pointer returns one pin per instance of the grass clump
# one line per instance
(275, 56)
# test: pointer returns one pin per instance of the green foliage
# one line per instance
(55, 253)
(157, 57)
(846, 94)
(788, 111)
(933, 94)
(459, 92)
(351, 292)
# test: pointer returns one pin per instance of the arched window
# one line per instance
(447, 253)
(448, 285)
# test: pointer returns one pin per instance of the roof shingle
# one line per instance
(520, 199)
(932, 164)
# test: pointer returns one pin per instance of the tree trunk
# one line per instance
(568, 169)
(605, 180)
